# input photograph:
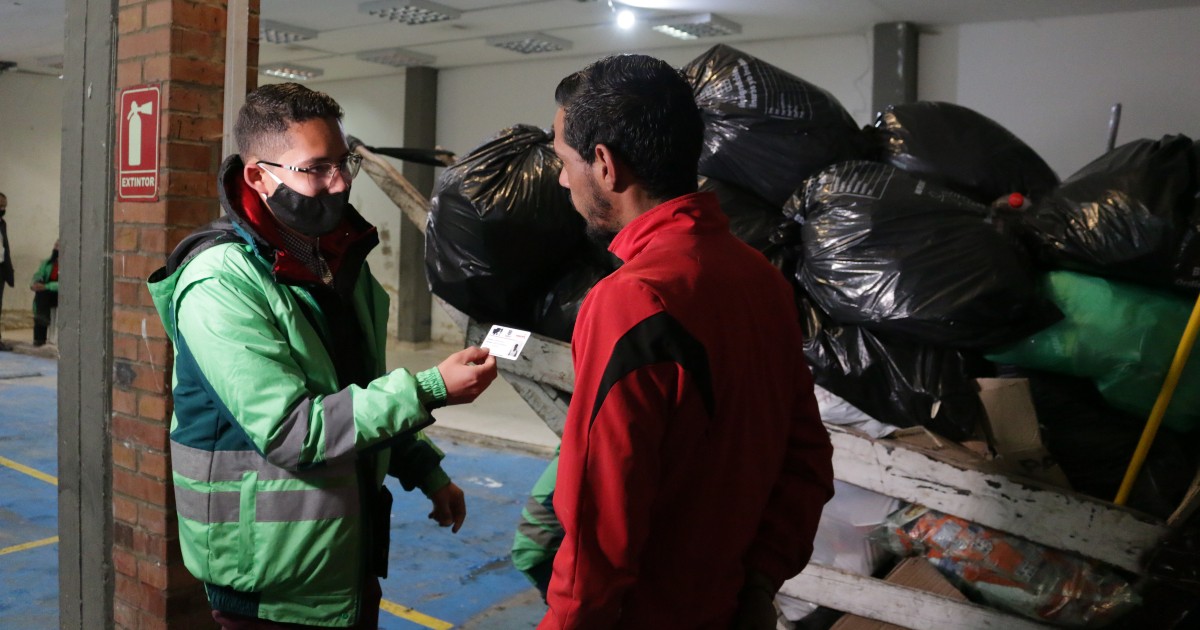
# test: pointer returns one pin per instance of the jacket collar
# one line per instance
(344, 250)
(695, 213)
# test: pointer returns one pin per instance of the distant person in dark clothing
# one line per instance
(45, 296)
(6, 267)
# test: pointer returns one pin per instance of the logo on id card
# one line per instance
(505, 343)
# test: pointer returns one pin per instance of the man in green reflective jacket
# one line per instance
(286, 420)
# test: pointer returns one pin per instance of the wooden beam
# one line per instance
(413, 205)
(549, 404)
(544, 360)
(1053, 517)
(85, 373)
(897, 604)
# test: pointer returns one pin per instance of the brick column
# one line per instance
(179, 45)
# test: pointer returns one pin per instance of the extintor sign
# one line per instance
(137, 144)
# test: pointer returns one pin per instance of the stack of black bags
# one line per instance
(916, 269)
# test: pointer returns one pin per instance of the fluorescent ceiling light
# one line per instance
(291, 71)
(398, 57)
(410, 11)
(696, 26)
(280, 33)
(526, 43)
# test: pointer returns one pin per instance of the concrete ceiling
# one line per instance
(31, 31)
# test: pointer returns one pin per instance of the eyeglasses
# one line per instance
(323, 171)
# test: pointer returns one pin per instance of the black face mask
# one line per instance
(310, 216)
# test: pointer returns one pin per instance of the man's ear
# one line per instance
(609, 170)
(255, 179)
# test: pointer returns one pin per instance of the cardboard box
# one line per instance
(1011, 427)
(911, 572)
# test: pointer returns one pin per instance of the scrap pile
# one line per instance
(927, 251)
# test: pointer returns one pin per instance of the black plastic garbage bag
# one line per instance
(557, 310)
(1186, 273)
(894, 253)
(961, 149)
(1094, 443)
(895, 381)
(500, 226)
(1122, 216)
(751, 218)
(766, 129)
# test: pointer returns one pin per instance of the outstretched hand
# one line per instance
(449, 506)
(466, 374)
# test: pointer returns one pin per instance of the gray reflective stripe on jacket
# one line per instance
(286, 450)
(271, 506)
(201, 465)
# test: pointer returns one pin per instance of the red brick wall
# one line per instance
(179, 45)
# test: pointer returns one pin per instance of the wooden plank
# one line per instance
(85, 524)
(897, 604)
(413, 205)
(544, 360)
(1050, 516)
(548, 404)
(1189, 505)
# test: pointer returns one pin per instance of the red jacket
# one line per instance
(693, 449)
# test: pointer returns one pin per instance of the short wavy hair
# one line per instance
(644, 111)
(264, 119)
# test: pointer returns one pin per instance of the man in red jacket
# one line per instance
(694, 464)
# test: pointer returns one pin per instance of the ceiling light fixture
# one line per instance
(526, 43)
(410, 11)
(280, 33)
(696, 26)
(291, 71)
(397, 57)
(626, 17)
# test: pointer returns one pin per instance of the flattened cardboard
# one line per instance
(1012, 429)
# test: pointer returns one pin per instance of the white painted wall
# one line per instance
(476, 102)
(30, 157)
(1052, 82)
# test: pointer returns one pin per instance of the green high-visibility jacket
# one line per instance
(278, 467)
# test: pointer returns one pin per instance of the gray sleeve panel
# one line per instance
(288, 446)
(340, 430)
(201, 465)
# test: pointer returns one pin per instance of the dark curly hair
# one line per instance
(643, 110)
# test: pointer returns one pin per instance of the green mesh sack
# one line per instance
(1122, 336)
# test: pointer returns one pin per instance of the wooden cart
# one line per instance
(1093, 528)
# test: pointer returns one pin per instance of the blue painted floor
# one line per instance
(448, 579)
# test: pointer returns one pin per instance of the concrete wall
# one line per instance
(30, 153)
(1053, 82)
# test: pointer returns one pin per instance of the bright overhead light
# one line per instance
(526, 43)
(397, 57)
(280, 33)
(291, 71)
(625, 19)
(696, 26)
(410, 11)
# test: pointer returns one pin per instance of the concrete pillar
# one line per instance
(414, 317)
(895, 65)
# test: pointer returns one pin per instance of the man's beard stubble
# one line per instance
(600, 224)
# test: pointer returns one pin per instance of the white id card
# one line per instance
(505, 343)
